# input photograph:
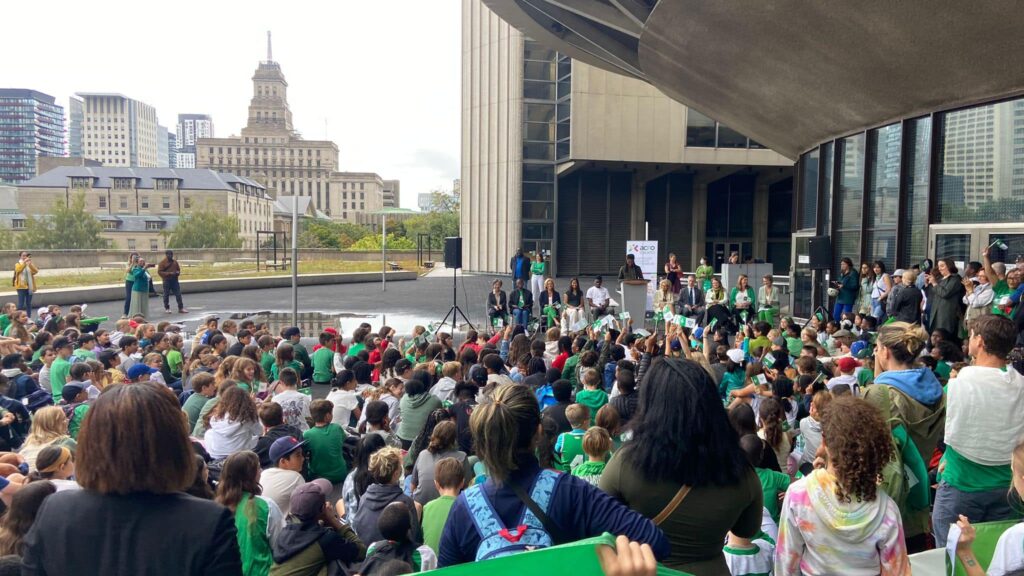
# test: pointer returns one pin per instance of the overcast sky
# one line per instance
(380, 78)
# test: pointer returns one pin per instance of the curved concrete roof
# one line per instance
(791, 74)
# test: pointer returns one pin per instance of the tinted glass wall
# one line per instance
(542, 71)
(705, 132)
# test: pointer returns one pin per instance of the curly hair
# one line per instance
(772, 416)
(859, 446)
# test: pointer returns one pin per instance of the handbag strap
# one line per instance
(672, 505)
(557, 536)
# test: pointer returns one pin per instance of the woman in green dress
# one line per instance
(704, 273)
(140, 289)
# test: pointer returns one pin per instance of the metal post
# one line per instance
(383, 253)
(295, 260)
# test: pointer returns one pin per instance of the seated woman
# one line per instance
(497, 304)
(550, 303)
(837, 520)
(572, 311)
(664, 296)
(742, 302)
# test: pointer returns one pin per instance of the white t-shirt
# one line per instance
(1009, 554)
(295, 406)
(345, 401)
(278, 485)
(597, 295)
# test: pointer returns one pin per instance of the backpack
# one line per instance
(69, 409)
(496, 540)
(36, 400)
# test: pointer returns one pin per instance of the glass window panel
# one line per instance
(1014, 248)
(884, 192)
(538, 70)
(955, 246)
(778, 253)
(538, 173)
(741, 210)
(562, 150)
(563, 111)
(845, 244)
(915, 177)
(538, 211)
(729, 138)
(881, 245)
(544, 132)
(538, 231)
(538, 90)
(564, 67)
(538, 151)
(564, 88)
(700, 129)
(563, 130)
(753, 144)
(850, 199)
(718, 215)
(536, 51)
(827, 163)
(981, 164)
(539, 112)
(780, 213)
(808, 190)
(534, 191)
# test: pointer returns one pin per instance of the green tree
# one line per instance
(438, 224)
(372, 242)
(204, 227)
(444, 201)
(327, 234)
(67, 227)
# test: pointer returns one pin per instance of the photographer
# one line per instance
(25, 281)
(846, 289)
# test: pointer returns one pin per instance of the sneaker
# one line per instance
(167, 310)
(182, 311)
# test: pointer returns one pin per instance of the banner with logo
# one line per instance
(646, 254)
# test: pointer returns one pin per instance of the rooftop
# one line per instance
(188, 178)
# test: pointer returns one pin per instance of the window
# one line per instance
(103, 201)
(18, 223)
(849, 199)
(188, 202)
(806, 217)
(123, 202)
(700, 129)
(131, 243)
(166, 202)
(154, 225)
(144, 201)
(110, 224)
(915, 178)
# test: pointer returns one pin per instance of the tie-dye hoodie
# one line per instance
(818, 534)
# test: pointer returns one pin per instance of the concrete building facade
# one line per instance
(119, 131)
(356, 195)
(31, 125)
(191, 127)
(76, 116)
(573, 161)
(392, 193)
(138, 205)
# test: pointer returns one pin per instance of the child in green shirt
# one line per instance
(597, 444)
(773, 484)
(323, 360)
(449, 479)
(593, 395)
(569, 446)
(60, 370)
(73, 401)
(325, 441)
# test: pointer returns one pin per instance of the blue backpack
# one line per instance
(496, 539)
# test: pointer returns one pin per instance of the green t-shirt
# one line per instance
(761, 342)
(194, 407)
(568, 449)
(435, 514)
(1000, 289)
(60, 370)
(967, 476)
(5, 323)
(593, 400)
(323, 365)
(732, 381)
(174, 362)
(294, 365)
(942, 370)
(865, 377)
(589, 470)
(326, 460)
(75, 424)
(772, 484)
(537, 268)
(794, 345)
(266, 362)
(356, 349)
(83, 354)
(302, 356)
(251, 519)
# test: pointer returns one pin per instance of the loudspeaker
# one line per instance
(820, 248)
(453, 252)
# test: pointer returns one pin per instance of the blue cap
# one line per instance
(860, 349)
(138, 370)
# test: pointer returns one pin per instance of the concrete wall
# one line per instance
(492, 102)
(93, 258)
(115, 292)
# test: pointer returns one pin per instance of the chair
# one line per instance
(986, 536)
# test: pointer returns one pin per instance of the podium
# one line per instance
(634, 299)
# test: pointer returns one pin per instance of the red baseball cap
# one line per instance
(847, 364)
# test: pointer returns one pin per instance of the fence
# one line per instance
(94, 258)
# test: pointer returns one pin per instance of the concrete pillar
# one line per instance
(699, 221)
(638, 206)
(760, 230)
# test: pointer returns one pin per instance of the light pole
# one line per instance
(383, 252)
(295, 261)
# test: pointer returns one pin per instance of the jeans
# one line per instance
(25, 301)
(839, 309)
(521, 316)
(877, 310)
(127, 295)
(950, 502)
(172, 286)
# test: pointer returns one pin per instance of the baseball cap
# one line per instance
(735, 354)
(61, 342)
(308, 500)
(478, 374)
(860, 349)
(138, 370)
(12, 361)
(209, 317)
(842, 334)
(847, 364)
(780, 342)
(283, 447)
(42, 310)
(71, 391)
(290, 331)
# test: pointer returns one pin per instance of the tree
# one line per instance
(372, 242)
(327, 234)
(205, 228)
(444, 201)
(439, 225)
(67, 227)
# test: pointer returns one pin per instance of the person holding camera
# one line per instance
(25, 281)
(845, 289)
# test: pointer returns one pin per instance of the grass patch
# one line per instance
(213, 271)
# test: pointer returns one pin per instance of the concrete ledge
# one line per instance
(115, 292)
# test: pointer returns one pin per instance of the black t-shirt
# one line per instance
(462, 411)
(557, 413)
(85, 533)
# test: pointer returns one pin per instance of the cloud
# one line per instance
(443, 163)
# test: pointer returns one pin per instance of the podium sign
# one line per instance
(646, 254)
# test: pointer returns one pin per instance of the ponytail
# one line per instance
(504, 428)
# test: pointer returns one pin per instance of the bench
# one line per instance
(190, 263)
(279, 265)
(429, 264)
(244, 260)
(394, 266)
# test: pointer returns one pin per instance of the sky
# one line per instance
(380, 78)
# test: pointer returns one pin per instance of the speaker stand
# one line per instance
(455, 311)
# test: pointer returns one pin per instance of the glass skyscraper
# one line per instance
(31, 125)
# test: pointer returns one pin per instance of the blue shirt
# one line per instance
(579, 509)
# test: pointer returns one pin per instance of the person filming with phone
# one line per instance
(25, 281)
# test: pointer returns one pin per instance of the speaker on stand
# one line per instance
(820, 248)
(453, 260)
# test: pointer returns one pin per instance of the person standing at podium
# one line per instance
(629, 270)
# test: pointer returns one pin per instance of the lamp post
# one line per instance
(383, 252)
(295, 261)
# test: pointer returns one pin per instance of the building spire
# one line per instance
(270, 52)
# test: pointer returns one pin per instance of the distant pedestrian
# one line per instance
(520, 266)
(25, 281)
(140, 289)
(169, 271)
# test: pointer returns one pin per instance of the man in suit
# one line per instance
(691, 300)
(520, 301)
